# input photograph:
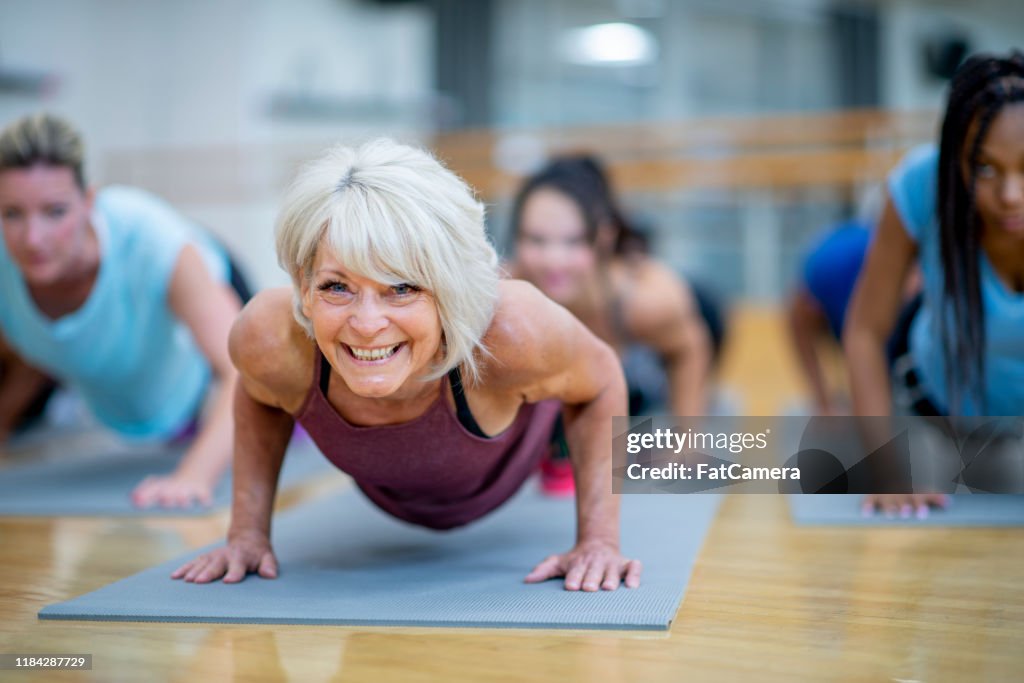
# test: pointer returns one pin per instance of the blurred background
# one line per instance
(734, 129)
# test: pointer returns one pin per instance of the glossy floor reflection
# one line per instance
(767, 601)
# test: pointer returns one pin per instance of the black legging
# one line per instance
(897, 347)
(714, 313)
(899, 341)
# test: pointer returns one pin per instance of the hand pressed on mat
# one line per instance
(590, 566)
(173, 491)
(244, 554)
(903, 505)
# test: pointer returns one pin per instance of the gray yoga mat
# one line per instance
(99, 483)
(344, 562)
(970, 510)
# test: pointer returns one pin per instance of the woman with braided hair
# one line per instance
(960, 211)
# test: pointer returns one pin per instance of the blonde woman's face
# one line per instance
(380, 338)
(45, 217)
(552, 249)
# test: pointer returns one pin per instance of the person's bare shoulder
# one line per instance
(529, 339)
(272, 352)
(657, 297)
(510, 270)
(513, 337)
(511, 327)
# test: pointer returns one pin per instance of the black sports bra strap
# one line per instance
(462, 411)
(325, 374)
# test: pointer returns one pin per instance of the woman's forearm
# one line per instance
(873, 311)
(688, 364)
(589, 432)
(210, 453)
(869, 373)
(804, 334)
(688, 382)
(261, 438)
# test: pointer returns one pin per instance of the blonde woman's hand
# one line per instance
(590, 566)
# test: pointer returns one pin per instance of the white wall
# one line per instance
(991, 25)
(174, 95)
(137, 73)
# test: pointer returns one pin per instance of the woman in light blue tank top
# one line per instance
(960, 211)
(117, 296)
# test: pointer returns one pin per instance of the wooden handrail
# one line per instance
(733, 135)
(836, 149)
(761, 170)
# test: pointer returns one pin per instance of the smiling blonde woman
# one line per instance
(431, 382)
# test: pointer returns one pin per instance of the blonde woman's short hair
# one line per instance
(42, 139)
(394, 214)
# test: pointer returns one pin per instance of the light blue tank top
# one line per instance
(913, 186)
(133, 362)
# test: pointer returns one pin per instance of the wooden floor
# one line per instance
(768, 601)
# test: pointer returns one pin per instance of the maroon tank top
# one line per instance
(431, 470)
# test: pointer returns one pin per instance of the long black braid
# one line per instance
(979, 90)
